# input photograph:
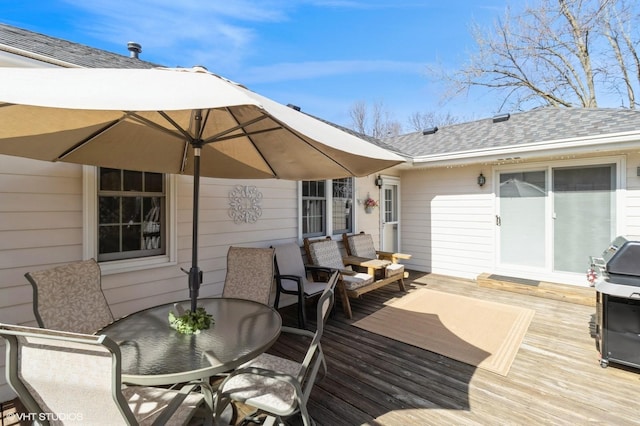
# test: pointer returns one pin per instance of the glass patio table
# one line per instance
(153, 353)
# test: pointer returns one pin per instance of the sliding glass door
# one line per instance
(553, 218)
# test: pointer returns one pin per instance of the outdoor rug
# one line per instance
(477, 332)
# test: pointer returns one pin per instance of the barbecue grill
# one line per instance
(616, 277)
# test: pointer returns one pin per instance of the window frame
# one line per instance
(328, 219)
(90, 227)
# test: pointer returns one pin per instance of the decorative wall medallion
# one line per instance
(244, 203)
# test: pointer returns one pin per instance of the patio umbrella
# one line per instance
(180, 121)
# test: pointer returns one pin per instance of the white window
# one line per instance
(327, 207)
(131, 214)
(129, 218)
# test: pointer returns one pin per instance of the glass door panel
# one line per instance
(584, 213)
(390, 218)
(521, 218)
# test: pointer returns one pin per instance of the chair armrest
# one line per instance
(296, 278)
(316, 268)
(298, 331)
(392, 256)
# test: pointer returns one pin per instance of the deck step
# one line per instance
(564, 292)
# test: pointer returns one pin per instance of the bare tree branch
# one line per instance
(558, 52)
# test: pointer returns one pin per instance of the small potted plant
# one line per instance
(187, 322)
(369, 204)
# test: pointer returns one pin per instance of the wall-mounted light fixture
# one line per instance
(481, 180)
(379, 181)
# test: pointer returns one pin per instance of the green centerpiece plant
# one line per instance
(191, 322)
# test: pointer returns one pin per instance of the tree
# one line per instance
(374, 121)
(424, 120)
(560, 53)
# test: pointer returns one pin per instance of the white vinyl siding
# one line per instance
(630, 216)
(447, 221)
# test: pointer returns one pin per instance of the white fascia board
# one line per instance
(12, 57)
(622, 140)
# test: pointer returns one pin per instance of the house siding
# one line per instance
(631, 214)
(446, 221)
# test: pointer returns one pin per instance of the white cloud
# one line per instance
(185, 32)
(315, 69)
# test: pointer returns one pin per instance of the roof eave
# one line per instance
(623, 140)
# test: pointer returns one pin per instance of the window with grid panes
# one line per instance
(131, 214)
(327, 207)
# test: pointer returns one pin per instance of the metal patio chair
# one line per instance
(277, 386)
(85, 385)
(296, 278)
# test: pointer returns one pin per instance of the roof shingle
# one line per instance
(26, 43)
(538, 125)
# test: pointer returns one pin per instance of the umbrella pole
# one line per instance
(195, 275)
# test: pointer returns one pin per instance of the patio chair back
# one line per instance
(75, 379)
(70, 298)
(361, 245)
(289, 262)
(250, 273)
(326, 253)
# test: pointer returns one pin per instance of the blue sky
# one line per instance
(322, 55)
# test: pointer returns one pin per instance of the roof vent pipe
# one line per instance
(134, 49)
(430, 130)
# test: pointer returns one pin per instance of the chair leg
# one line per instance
(401, 284)
(276, 302)
(344, 297)
(302, 312)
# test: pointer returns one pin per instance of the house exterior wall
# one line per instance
(446, 221)
(632, 196)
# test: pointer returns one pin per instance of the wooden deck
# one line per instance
(555, 379)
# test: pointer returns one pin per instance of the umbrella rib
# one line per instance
(238, 126)
(244, 134)
(89, 139)
(148, 122)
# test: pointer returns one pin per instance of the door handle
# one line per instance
(498, 220)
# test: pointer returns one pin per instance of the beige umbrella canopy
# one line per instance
(181, 121)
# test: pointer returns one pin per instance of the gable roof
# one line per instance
(545, 127)
(40, 47)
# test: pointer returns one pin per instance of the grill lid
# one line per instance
(623, 257)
